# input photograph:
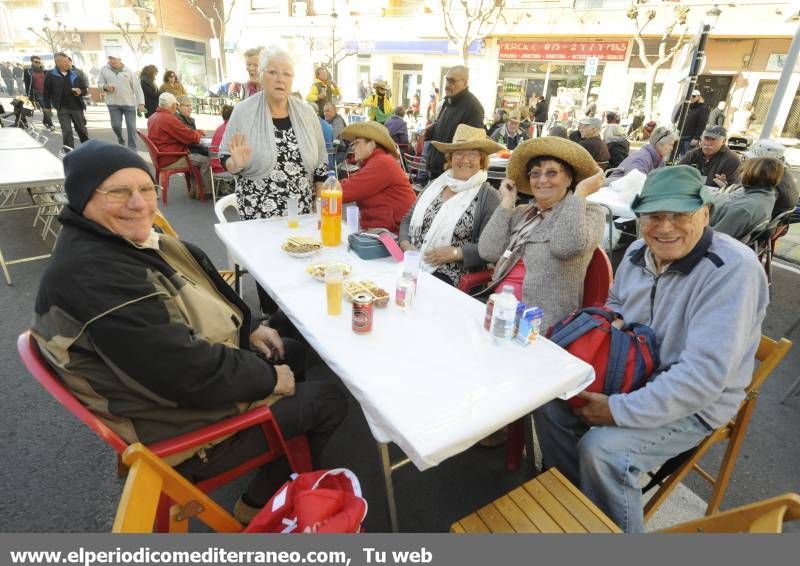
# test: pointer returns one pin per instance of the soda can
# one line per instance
(404, 294)
(362, 313)
(487, 318)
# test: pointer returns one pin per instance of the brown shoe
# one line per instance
(495, 439)
(244, 513)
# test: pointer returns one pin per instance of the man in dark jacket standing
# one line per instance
(695, 123)
(34, 88)
(540, 114)
(716, 163)
(460, 107)
(64, 90)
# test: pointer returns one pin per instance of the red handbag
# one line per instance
(325, 501)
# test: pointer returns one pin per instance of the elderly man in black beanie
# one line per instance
(145, 332)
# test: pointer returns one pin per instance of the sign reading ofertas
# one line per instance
(524, 50)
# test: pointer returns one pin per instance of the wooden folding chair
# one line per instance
(549, 503)
(769, 354)
(149, 481)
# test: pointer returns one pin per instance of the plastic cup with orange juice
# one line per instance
(291, 209)
(333, 289)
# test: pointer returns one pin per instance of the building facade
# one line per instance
(537, 46)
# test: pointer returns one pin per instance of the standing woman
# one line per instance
(148, 79)
(172, 85)
(274, 147)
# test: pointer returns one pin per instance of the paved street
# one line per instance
(57, 476)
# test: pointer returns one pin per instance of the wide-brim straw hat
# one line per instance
(549, 146)
(374, 131)
(380, 84)
(467, 137)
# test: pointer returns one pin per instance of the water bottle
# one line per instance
(331, 205)
(504, 315)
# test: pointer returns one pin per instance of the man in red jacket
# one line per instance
(380, 188)
(169, 134)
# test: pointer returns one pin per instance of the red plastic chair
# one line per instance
(596, 284)
(159, 159)
(296, 449)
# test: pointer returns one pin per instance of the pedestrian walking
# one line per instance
(124, 97)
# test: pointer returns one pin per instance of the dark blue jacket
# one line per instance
(54, 87)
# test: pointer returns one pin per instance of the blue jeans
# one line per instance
(606, 462)
(116, 112)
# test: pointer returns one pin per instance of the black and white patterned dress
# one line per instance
(265, 198)
(462, 234)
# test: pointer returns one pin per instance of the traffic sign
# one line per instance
(591, 66)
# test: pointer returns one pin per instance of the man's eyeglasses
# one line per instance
(451, 81)
(675, 218)
(123, 194)
(285, 75)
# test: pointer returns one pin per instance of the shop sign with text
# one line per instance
(563, 50)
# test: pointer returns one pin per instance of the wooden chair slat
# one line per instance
(494, 519)
(515, 516)
(473, 524)
(578, 504)
(534, 511)
(553, 507)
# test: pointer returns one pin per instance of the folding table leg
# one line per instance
(5, 269)
(383, 450)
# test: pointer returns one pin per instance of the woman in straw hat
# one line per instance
(449, 216)
(378, 105)
(380, 188)
(543, 248)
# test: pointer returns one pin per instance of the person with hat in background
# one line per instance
(510, 134)
(689, 284)
(589, 129)
(323, 90)
(380, 187)
(460, 106)
(124, 96)
(696, 119)
(542, 248)
(718, 164)
(169, 134)
(449, 216)
(155, 357)
(378, 104)
(787, 193)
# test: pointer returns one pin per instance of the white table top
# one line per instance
(613, 200)
(430, 379)
(496, 162)
(16, 138)
(35, 167)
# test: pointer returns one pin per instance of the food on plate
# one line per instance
(317, 270)
(503, 153)
(355, 287)
(301, 245)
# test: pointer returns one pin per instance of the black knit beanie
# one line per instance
(93, 162)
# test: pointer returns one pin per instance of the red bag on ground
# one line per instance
(325, 501)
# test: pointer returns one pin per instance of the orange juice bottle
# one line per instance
(331, 197)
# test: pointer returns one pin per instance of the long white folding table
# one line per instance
(24, 167)
(429, 379)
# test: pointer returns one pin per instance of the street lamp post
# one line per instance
(334, 15)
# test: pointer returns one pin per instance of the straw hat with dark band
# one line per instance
(371, 131)
(467, 137)
(549, 146)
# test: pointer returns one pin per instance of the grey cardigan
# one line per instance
(488, 201)
(556, 255)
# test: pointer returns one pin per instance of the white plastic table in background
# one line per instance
(430, 379)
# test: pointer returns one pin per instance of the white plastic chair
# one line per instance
(223, 204)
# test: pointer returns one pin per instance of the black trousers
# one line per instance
(316, 409)
(68, 117)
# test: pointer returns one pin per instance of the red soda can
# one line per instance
(362, 313)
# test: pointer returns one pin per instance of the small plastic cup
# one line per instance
(352, 219)
(333, 290)
(291, 210)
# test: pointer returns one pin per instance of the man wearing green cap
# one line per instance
(704, 294)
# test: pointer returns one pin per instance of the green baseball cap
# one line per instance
(678, 188)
